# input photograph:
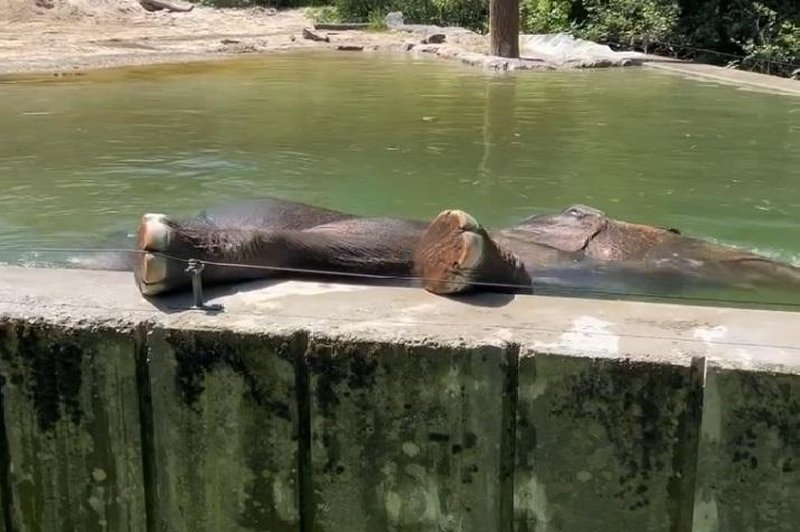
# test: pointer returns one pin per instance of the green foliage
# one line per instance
(261, 3)
(773, 44)
(762, 35)
(324, 14)
(358, 10)
(631, 23)
(546, 16)
(377, 21)
(226, 3)
(757, 33)
(471, 14)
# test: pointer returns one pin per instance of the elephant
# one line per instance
(453, 254)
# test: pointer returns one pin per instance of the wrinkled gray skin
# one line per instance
(577, 248)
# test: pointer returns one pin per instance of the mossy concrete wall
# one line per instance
(71, 428)
(322, 407)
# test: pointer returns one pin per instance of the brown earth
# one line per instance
(63, 36)
(68, 36)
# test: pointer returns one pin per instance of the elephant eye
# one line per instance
(582, 211)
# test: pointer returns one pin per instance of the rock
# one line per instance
(158, 5)
(435, 38)
(350, 47)
(394, 20)
(796, 74)
(308, 33)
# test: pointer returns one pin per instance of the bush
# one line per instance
(358, 10)
(324, 14)
(630, 23)
(261, 3)
(471, 14)
(226, 3)
(377, 21)
(772, 44)
(546, 16)
(762, 35)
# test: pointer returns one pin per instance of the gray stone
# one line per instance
(410, 437)
(71, 417)
(434, 38)
(394, 20)
(749, 459)
(312, 35)
(605, 441)
(225, 430)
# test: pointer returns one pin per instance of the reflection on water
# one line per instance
(394, 136)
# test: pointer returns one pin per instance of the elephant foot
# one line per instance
(456, 255)
(154, 272)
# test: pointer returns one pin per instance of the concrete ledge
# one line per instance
(730, 76)
(319, 406)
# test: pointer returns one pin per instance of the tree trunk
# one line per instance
(504, 27)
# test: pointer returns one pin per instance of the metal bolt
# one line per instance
(195, 268)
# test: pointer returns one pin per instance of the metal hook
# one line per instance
(195, 268)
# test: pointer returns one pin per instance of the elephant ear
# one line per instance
(569, 230)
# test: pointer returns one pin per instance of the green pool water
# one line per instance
(84, 156)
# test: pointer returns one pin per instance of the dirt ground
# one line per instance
(63, 36)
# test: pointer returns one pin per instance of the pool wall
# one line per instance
(333, 407)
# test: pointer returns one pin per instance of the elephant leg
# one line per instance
(165, 247)
(367, 247)
(454, 254)
(457, 255)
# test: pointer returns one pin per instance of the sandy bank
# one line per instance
(65, 36)
(62, 37)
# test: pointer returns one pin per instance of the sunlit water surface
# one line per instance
(392, 136)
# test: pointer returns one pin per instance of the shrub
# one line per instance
(225, 3)
(772, 45)
(471, 14)
(323, 14)
(630, 23)
(377, 21)
(763, 35)
(359, 10)
(546, 16)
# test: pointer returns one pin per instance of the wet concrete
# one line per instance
(321, 406)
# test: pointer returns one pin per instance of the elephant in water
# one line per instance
(450, 255)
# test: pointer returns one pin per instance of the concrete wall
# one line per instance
(326, 407)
